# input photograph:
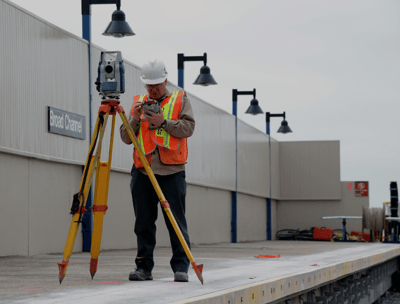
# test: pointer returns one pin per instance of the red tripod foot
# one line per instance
(198, 269)
(63, 269)
(93, 266)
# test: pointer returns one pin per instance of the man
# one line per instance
(162, 137)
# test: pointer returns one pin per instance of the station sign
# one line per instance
(361, 188)
(66, 123)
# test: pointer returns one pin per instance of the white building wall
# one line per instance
(35, 198)
(306, 214)
(118, 226)
(252, 218)
(14, 236)
(310, 170)
(38, 195)
(43, 65)
(208, 215)
(47, 66)
(51, 187)
(211, 160)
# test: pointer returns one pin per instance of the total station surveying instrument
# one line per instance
(110, 84)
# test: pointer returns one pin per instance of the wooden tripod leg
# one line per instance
(85, 185)
(100, 204)
(197, 268)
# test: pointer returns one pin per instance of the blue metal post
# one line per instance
(269, 232)
(180, 78)
(87, 217)
(344, 230)
(234, 194)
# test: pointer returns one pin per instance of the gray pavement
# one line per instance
(226, 266)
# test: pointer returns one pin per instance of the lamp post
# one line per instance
(283, 129)
(205, 78)
(254, 108)
(118, 28)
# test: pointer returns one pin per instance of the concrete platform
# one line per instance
(231, 273)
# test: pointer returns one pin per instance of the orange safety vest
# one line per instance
(172, 150)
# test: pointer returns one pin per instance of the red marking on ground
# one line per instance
(111, 283)
(31, 290)
(314, 265)
(267, 256)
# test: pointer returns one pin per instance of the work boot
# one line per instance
(140, 275)
(181, 276)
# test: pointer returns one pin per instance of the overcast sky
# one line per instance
(332, 66)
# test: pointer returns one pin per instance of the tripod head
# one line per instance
(111, 76)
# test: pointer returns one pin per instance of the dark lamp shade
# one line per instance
(118, 27)
(284, 128)
(205, 78)
(254, 108)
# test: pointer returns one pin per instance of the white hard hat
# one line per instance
(154, 72)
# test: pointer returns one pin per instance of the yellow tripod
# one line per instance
(107, 108)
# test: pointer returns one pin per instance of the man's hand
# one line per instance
(155, 119)
(137, 111)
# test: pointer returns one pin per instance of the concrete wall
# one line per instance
(208, 213)
(37, 195)
(118, 229)
(14, 224)
(35, 199)
(307, 214)
(252, 218)
(310, 170)
(44, 65)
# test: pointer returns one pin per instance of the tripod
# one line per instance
(107, 108)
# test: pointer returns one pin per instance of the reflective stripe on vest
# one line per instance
(172, 150)
(144, 141)
(171, 108)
